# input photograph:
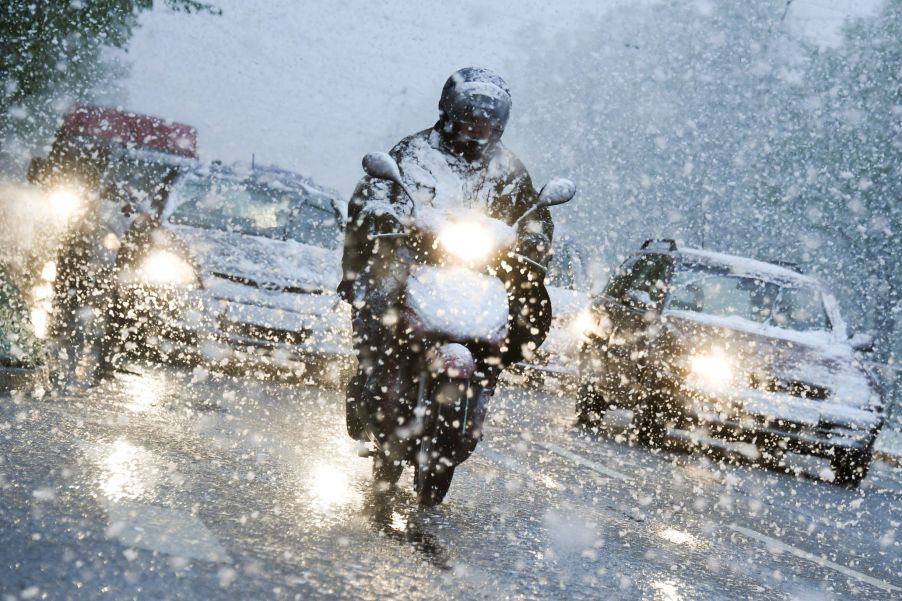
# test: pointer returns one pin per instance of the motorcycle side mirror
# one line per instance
(557, 192)
(381, 166)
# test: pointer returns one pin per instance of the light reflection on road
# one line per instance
(681, 538)
(127, 472)
(329, 486)
(144, 393)
(666, 590)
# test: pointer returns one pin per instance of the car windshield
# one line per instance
(793, 307)
(256, 210)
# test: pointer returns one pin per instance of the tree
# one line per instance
(53, 49)
(657, 111)
(835, 172)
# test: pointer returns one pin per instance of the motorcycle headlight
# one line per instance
(64, 202)
(712, 369)
(467, 241)
(165, 268)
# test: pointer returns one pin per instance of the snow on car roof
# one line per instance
(273, 177)
(745, 266)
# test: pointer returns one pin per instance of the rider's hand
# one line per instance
(383, 222)
(534, 245)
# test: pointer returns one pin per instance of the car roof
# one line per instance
(272, 177)
(738, 265)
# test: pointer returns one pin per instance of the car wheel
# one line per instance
(590, 404)
(650, 422)
(850, 466)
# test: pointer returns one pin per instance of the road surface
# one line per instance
(168, 483)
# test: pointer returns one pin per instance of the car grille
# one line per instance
(263, 333)
(270, 287)
(797, 388)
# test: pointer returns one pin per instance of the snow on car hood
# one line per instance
(809, 359)
(282, 263)
(566, 303)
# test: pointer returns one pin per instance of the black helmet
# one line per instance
(475, 106)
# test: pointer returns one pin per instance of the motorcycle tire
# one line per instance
(434, 487)
(439, 446)
(386, 471)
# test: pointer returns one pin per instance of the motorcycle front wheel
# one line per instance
(446, 416)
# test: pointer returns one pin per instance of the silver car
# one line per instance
(725, 346)
(241, 266)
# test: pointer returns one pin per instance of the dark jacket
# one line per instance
(498, 183)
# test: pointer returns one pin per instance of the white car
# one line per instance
(240, 267)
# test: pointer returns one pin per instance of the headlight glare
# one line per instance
(712, 369)
(584, 324)
(466, 240)
(165, 268)
(64, 202)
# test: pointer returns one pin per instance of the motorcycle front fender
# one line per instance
(454, 360)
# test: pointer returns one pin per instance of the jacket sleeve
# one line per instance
(367, 196)
(374, 205)
(535, 232)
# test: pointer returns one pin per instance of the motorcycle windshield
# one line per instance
(457, 304)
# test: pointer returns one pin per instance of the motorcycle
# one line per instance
(425, 404)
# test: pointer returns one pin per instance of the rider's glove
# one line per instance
(535, 246)
(382, 222)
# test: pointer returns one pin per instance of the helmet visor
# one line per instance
(477, 130)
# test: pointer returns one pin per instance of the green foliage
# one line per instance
(54, 49)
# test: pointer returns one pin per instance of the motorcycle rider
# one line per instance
(459, 162)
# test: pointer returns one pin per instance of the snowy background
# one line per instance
(314, 86)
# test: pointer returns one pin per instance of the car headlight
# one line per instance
(712, 369)
(467, 240)
(64, 202)
(165, 268)
(584, 324)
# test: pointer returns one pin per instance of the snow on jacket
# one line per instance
(498, 183)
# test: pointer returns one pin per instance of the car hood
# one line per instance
(265, 262)
(807, 365)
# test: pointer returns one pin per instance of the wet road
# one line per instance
(181, 484)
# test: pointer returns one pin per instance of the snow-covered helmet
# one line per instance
(474, 107)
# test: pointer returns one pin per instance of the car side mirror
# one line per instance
(862, 342)
(37, 170)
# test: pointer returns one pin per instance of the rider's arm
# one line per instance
(371, 210)
(535, 232)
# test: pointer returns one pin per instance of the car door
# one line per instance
(632, 303)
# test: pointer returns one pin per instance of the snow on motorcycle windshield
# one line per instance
(457, 303)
